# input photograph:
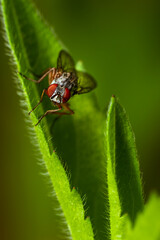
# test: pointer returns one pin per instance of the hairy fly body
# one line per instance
(64, 82)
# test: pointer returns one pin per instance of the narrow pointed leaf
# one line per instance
(74, 145)
(124, 183)
(35, 47)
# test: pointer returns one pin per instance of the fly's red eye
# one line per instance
(51, 89)
(66, 95)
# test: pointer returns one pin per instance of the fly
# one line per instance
(64, 82)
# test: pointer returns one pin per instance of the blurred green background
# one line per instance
(118, 42)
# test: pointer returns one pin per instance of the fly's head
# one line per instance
(61, 88)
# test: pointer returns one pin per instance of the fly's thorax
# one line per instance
(67, 79)
(62, 80)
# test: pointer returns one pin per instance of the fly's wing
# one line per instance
(85, 82)
(65, 62)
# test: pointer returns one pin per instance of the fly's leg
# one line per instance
(41, 78)
(54, 111)
(51, 76)
(67, 108)
(39, 101)
(35, 74)
(39, 75)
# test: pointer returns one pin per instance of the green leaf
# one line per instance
(148, 223)
(124, 183)
(73, 146)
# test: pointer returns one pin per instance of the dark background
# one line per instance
(118, 42)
